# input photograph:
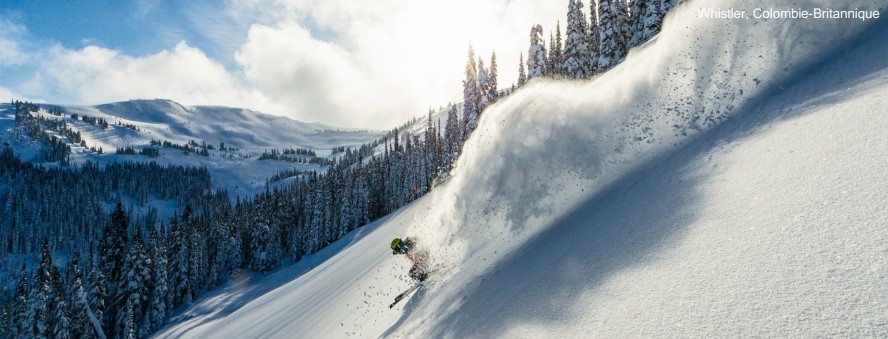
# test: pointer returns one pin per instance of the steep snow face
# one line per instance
(569, 207)
(705, 186)
(555, 143)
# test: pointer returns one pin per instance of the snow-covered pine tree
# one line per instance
(483, 85)
(178, 263)
(593, 39)
(112, 245)
(471, 97)
(128, 331)
(62, 323)
(58, 310)
(550, 58)
(637, 9)
(21, 315)
(651, 19)
(576, 62)
(668, 5)
(96, 287)
(264, 256)
(536, 54)
(79, 321)
(431, 141)
(5, 315)
(157, 305)
(624, 24)
(522, 76)
(555, 53)
(612, 42)
(42, 301)
(493, 90)
(83, 322)
(133, 288)
(197, 260)
(452, 138)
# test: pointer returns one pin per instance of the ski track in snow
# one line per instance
(719, 182)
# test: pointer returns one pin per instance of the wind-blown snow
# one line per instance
(719, 181)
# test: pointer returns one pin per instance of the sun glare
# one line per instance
(433, 37)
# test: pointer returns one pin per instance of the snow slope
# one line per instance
(719, 182)
(237, 127)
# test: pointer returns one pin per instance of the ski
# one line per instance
(415, 287)
(405, 293)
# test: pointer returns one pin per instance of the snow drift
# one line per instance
(662, 198)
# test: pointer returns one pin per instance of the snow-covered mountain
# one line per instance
(245, 133)
(719, 181)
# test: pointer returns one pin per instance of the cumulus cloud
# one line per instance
(314, 79)
(11, 51)
(352, 64)
(96, 74)
(382, 61)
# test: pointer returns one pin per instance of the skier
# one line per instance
(417, 257)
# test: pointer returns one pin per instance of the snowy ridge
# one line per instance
(237, 127)
(250, 133)
(663, 198)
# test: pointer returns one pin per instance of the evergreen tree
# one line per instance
(471, 96)
(134, 287)
(62, 326)
(112, 252)
(483, 86)
(613, 25)
(555, 54)
(129, 322)
(96, 289)
(650, 18)
(522, 76)
(593, 39)
(197, 261)
(576, 49)
(43, 302)
(536, 54)
(79, 320)
(157, 306)
(21, 315)
(493, 89)
(111, 245)
(668, 5)
(6, 324)
(178, 263)
(637, 10)
(452, 138)
(263, 247)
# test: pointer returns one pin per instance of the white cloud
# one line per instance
(356, 64)
(378, 63)
(314, 79)
(7, 95)
(11, 50)
(96, 74)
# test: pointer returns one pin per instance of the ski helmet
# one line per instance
(396, 242)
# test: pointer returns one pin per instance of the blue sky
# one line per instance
(136, 28)
(365, 64)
